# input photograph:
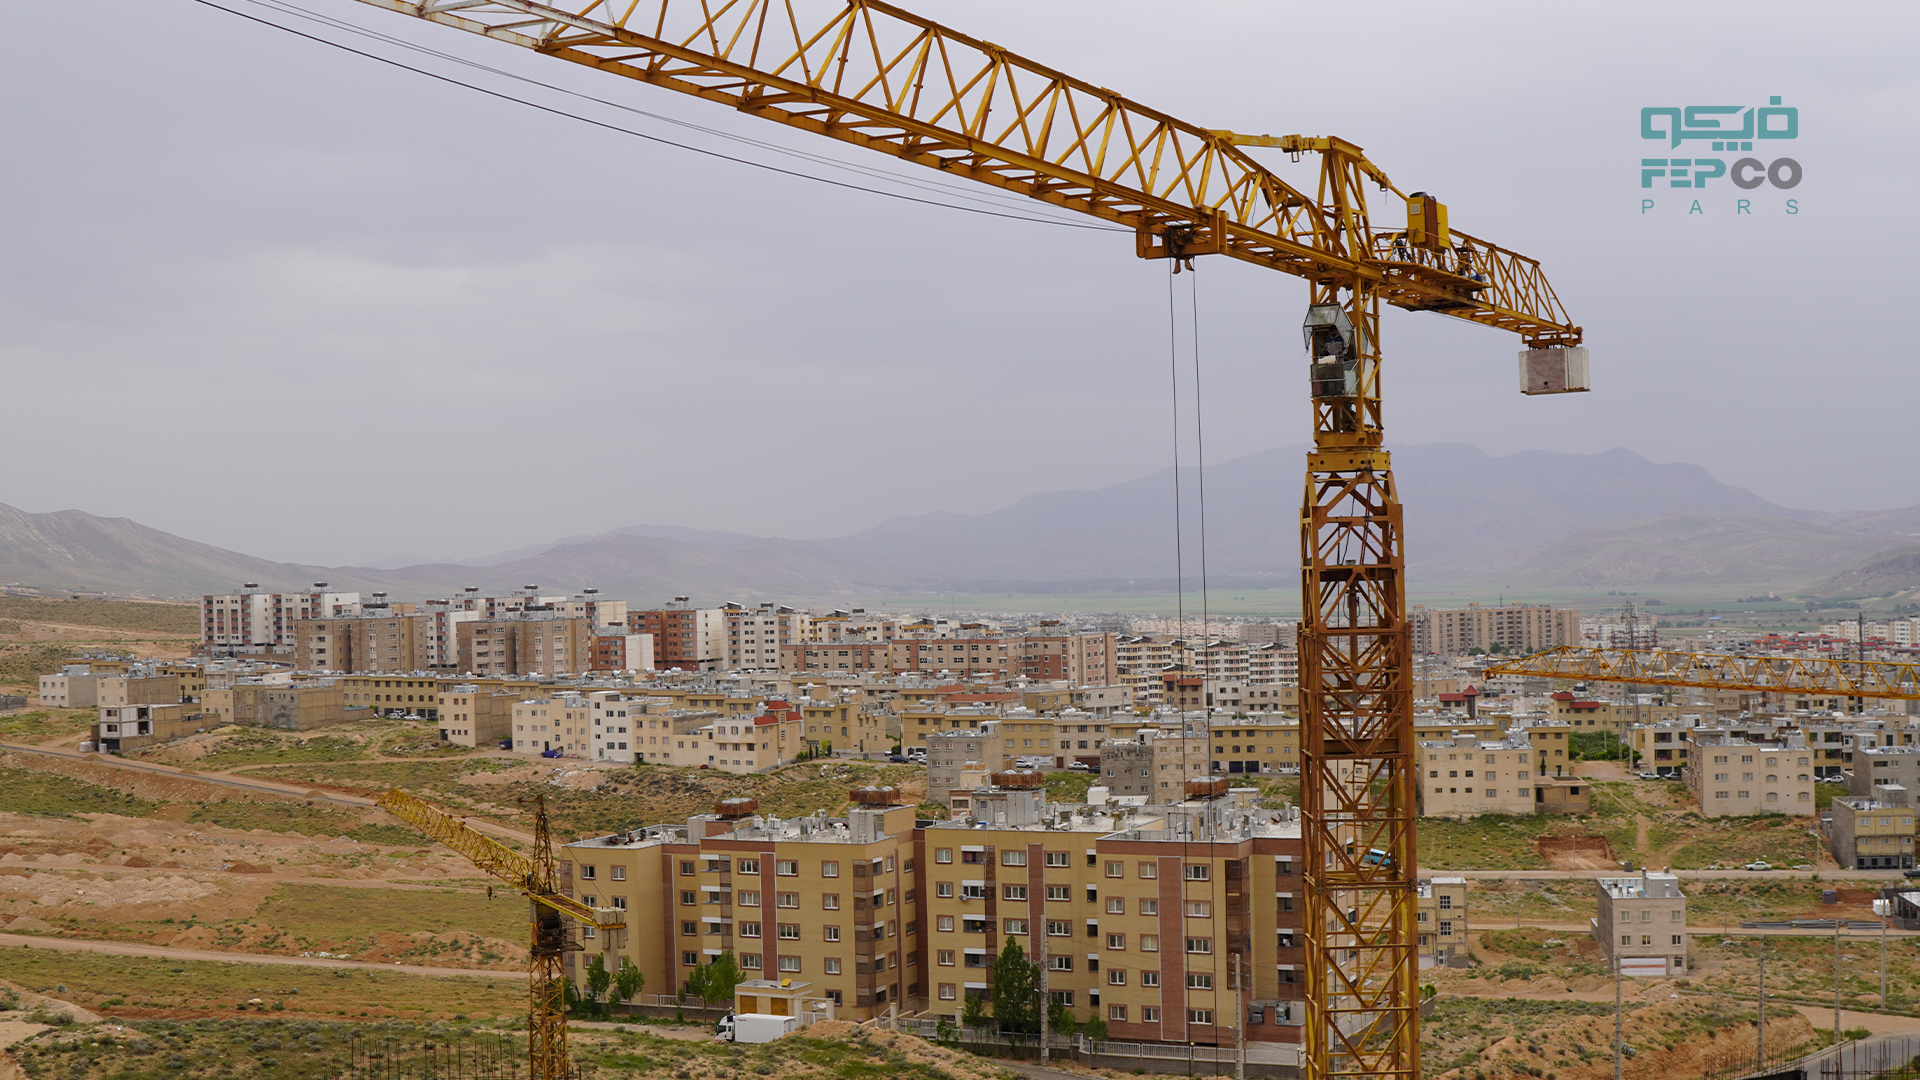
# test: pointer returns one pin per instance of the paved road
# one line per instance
(1828, 874)
(1486, 924)
(124, 948)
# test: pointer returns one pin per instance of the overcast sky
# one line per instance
(283, 299)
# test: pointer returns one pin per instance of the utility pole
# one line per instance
(1046, 1000)
(1760, 1052)
(1884, 909)
(1234, 971)
(1619, 1037)
(1836, 982)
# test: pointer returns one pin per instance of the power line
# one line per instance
(1200, 439)
(1173, 372)
(502, 95)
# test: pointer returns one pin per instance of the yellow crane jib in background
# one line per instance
(873, 75)
(548, 912)
(1718, 671)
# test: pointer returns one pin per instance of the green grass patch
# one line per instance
(1068, 786)
(329, 913)
(26, 791)
(1489, 842)
(47, 723)
(257, 746)
(107, 614)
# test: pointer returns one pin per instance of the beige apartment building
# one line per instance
(556, 723)
(1877, 766)
(1642, 924)
(830, 901)
(1521, 627)
(951, 751)
(747, 744)
(1155, 762)
(1440, 906)
(470, 715)
(965, 657)
(1733, 777)
(539, 646)
(130, 727)
(1873, 834)
(1467, 776)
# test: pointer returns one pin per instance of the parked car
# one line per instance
(1757, 865)
(897, 759)
(1911, 874)
(506, 744)
(1079, 766)
(552, 753)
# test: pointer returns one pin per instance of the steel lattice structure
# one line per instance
(1719, 671)
(876, 76)
(548, 910)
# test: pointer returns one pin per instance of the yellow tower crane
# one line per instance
(879, 77)
(548, 909)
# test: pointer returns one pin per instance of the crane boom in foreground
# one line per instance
(876, 76)
(1717, 671)
(548, 910)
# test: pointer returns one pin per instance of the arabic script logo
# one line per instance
(1716, 126)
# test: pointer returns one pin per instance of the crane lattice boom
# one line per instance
(1718, 671)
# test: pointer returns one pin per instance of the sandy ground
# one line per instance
(120, 948)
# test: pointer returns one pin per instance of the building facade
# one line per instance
(1642, 924)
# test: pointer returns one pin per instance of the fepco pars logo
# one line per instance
(1733, 130)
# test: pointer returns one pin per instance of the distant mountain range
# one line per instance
(1533, 520)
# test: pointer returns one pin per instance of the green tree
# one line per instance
(973, 1011)
(598, 979)
(715, 981)
(1016, 990)
(1061, 1019)
(1095, 1029)
(945, 1033)
(628, 981)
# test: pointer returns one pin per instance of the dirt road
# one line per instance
(120, 948)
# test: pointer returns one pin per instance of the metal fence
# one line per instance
(1861, 1059)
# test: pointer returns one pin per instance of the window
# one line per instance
(1149, 1014)
(749, 929)
(1626, 939)
(943, 889)
(1199, 945)
(1056, 858)
(1199, 981)
(689, 897)
(619, 873)
(1149, 907)
(1116, 941)
(1116, 977)
(1199, 909)
(690, 929)
(830, 933)
(690, 959)
(943, 855)
(972, 856)
(1676, 939)
(1016, 926)
(1059, 928)
(944, 958)
(586, 872)
(973, 892)
(787, 868)
(1646, 939)
(1149, 871)
(1013, 858)
(1149, 942)
(829, 869)
(686, 868)
(790, 963)
(1115, 869)
(831, 965)
(750, 866)
(1199, 872)
(1059, 892)
(1673, 916)
(943, 922)
(946, 992)
(1060, 963)
(1284, 867)
(830, 902)
(1117, 1012)
(786, 899)
(748, 898)
(1013, 892)
(1199, 1016)
(1116, 905)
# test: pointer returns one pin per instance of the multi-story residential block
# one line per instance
(750, 744)
(953, 750)
(1261, 742)
(471, 715)
(861, 657)
(1156, 762)
(1552, 740)
(684, 637)
(1273, 665)
(834, 902)
(970, 655)
(130, 727)
(252, 621)
(525, 646)
(1441, 913)
(86, 686)
(1642, 924)
(1523, 627)
(1467, 776)
(1078, 658)
(662, 737)
(1738, 777)
(754, 637)
(557, 724)
(1874, 834)
(1875, 766)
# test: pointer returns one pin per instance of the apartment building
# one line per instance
(252, 621)
(616, 651)
(951, 751)
(861, 657)
(1875, 766)
(471, 715)
(1467, 776)
(684, 638)
(403, 694)
(749, 744)
(1440, 912)
(970, 656)
(525, 646)
(80, 686)
(1873, 834)
(556, 724)
(832, 901)
(661, 736)
(1552, 740)
(380, 638)
(1132, 913)
(754, 637)
(1515, 627)
(1155, 762)
(1642, 924)
(1257, 743)
(1732, 776)
(1077, 658)
(130, 727)
(1273, 665)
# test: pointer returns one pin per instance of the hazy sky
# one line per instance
(269, 295)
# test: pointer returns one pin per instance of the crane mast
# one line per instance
(876, 76)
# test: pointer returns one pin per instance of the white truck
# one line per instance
(755, 1027)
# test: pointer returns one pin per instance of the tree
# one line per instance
(973, 1011)
(1061, 1019)
(628, 981)
(1016, 989)
(715, 981)
(945, 1033)
(598, 979)
(1095, 1029)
